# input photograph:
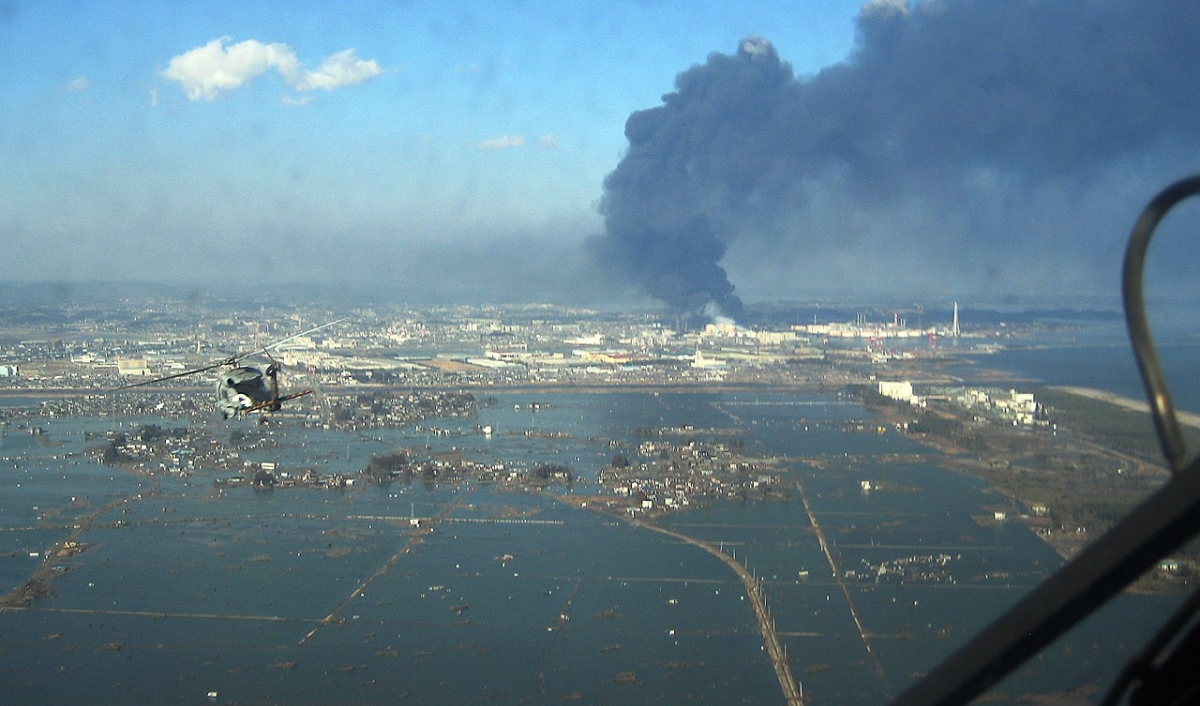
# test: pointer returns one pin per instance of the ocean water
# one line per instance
(1099, 357)
(1111, 368)
(307, 596)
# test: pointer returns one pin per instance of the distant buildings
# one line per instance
(1018, 407)
(901, 390)
(863, 329)
(133, 366)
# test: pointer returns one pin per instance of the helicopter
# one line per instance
(244, 389)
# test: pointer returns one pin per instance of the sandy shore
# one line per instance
(1185, 418)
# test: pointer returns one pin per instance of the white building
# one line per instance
(901, 390)
(1019, 405)
(896, 390)
(133, 366)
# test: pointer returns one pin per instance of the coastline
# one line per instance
(1061, 477)
(1189, 419)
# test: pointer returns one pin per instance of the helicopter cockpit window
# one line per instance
(606, 352)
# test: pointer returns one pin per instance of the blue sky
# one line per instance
(485, 121)
(459, 150)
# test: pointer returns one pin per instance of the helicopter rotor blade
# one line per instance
(205, 369)
(266, 349)
(267, 404)
(275, 369)
(230, 361)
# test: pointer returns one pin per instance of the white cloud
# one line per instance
(204, 72)
(756, 46)
(340, 69)
(884, 8)
(76, 84)
(503, 142)
(548, 142)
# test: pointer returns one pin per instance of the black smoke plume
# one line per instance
(996, 146)
(661, 206)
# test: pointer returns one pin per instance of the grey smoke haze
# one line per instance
(964, 145)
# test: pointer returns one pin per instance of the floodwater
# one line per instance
(311, 596)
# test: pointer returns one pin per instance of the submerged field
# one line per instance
(181, 587)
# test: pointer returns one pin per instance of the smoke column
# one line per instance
(963, 143)
(661, 210)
